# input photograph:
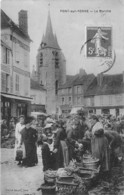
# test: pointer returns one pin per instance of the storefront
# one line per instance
(112, 110)
(38, 108)
(5, 108)
(14, 106)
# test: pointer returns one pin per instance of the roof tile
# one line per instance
(111, 84)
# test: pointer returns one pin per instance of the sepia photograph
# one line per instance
(62, 97)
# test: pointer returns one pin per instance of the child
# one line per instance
(46, 154)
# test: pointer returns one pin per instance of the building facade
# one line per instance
(15, 66)
(50, 67)
(38, 95)
(105, 95)
(71, 94)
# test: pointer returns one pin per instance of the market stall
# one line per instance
(76, 178)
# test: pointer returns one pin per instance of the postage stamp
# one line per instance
(99, 41)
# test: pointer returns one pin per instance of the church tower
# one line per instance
(51, 66)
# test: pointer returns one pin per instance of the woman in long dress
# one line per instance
(18, 138)
(60, 147)
(99, 144)
(30, 136)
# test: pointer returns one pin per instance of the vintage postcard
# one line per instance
(62, 97)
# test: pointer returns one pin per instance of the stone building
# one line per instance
(15, 66)
(50, 67)
(38, 95)
(105, 95)
(71, 94)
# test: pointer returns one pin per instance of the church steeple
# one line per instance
(49, 40)
(49, 29)
(51, 66)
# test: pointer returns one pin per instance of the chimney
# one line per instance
(82, 72)
(100, 79)
(23, 21)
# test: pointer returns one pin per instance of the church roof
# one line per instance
(6, 22)
(49, 39)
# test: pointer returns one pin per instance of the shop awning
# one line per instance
(17, 97)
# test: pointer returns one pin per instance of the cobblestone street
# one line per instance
(19, 180)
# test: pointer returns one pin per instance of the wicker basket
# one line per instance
(48, 190)
(65, 188)
(50, 178)
(91, 164)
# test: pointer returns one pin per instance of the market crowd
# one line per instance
(65, 139)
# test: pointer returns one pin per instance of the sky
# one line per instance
(69, 21)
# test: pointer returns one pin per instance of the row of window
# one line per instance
(65, 91)
(77, 90)
(107, 100)
(77, 100)
(64, 100)
(5, 55)
(103, 100)
(5, 80)
(7, 83)
(21, 55)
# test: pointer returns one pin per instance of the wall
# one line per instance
(20, 61)
(39, 97)
(75, 92)
(49, 74)
(109, 100)
(6, 69)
